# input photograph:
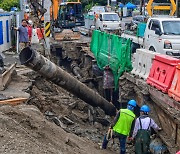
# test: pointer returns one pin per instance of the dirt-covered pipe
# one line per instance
(76, 70)
(52, 72)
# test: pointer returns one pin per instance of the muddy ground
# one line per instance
(51, 121)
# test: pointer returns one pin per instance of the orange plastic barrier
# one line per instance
(178, 152)
(174, 91)
(39, 33)
(162, 72)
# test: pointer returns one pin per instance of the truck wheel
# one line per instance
(134, 46)
(152, 49)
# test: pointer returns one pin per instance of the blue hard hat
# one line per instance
(145, 108)
(132, 103)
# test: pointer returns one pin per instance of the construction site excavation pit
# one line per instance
(56, 120)
(67, 112)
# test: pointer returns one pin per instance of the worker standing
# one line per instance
(108, 83)
(141, 132)
(121, 126)
(110, 93)
(30, 28)
(23, 35)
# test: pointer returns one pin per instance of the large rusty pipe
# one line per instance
(52, 72)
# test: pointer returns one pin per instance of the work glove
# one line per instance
(159, 129)
(131, 140)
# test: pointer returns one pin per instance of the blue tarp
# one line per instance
(121, 5)
(130, 6)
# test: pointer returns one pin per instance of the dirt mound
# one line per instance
(24, 129)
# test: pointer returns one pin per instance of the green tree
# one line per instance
(7, 4)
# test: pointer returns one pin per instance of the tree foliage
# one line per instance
(7, 4)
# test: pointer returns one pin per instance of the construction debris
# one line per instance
(58, 76)
(5, 77)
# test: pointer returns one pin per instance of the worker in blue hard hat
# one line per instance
(141, 132)
(121, 126)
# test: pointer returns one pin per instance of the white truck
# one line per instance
(162, 35)
(108, 21)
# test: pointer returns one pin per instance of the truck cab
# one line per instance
(163, 35)
(108, 21)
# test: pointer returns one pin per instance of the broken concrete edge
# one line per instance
(147, 90)
(164, 102)
(165, 106)
(171, 143)
(5, 78)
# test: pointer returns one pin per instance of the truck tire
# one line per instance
(152, 49)
(134, 46)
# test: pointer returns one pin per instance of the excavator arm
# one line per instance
(38, 8)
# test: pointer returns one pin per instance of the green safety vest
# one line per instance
(123, 125)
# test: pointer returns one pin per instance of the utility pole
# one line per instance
(47, 5)
(141, 5)
(108, 3)
(178, 8)
(21, 4)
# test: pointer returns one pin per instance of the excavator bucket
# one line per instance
(67, 35)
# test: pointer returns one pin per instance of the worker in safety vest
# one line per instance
(121, 126)
(142, 132)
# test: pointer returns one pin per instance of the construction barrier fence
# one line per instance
(112, 50)
(5, 31)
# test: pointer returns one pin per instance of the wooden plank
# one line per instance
(14, 101)
(5, 78)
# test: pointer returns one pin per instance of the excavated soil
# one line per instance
(53, 121)
(23, 129)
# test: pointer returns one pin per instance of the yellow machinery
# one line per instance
(63, 24)
(150, 7)
(55, 8)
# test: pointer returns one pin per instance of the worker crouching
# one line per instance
(121, 126)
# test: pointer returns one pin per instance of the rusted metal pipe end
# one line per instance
(26, 55)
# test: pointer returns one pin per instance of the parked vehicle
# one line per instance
(108, 21)
(96, 10)
(137, 19)
(161, 35)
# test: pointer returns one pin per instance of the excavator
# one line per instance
(69, 16)
(65, 17)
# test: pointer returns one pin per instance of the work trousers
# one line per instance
(112, 95)
(142, 142)
(122, 141)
